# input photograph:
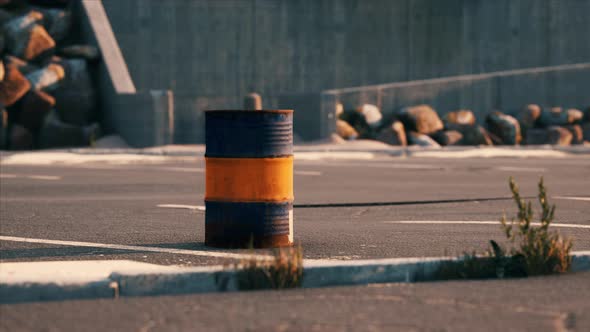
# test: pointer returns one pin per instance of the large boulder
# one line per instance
(505, 127)
(26, 38)
(552, 135)
(529, 115)
(372, 115)
(33, 108)
(57, 22)
(459, 118)
(75, 96)
(56, 133)
(345, 130)
(415, 138)
(20, 138)
(13, 87)
(474, 135)
(22, 66)
(528, 118)
(577, 133)
(359, 123)
(47, 78)
(421, 119)
(557, 116)
(447, 137)
(393, 134)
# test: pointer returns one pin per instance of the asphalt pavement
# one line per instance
(344, 210)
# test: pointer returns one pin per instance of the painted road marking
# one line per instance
(182, 206)
(310, 173)
(573, 198)
(473, 222)
(34, 177)
(44, 177)
(181, 169)
(520, 169)
(203, 253)
(377, 165)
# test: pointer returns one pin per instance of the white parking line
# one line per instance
(520, 169)
(34, 177)
(203, 253)
(310, 173)
(181, 169)
(44, 177)
(473, 222)
(182, 206)
(573, 198)
(376, 165)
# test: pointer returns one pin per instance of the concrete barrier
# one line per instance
(143, 118)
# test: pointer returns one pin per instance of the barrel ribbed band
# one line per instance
(249, 179)
(237, 224)
(249, 134)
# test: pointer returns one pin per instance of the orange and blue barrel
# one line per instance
(249, 178)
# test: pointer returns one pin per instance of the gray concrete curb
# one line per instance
(222, 279)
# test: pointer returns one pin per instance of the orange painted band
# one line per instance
(249, 179)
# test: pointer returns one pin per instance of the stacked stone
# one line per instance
(421, 125)
(47, 95)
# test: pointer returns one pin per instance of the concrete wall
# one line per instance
(142, 117)
(212, 52)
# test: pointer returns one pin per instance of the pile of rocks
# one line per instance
(47, 94)
(421, 125)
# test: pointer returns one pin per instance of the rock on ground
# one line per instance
(394, 134)
(47, 78)
(505, 127)
(56, 133)
(422, 119)
(557, 116)
(346, 131)
(13, 87)
(20, 138)
(33, 108)
(460, 117)
(359, 123)
(372, 114)
(552, 135)
(415, 138)
(447, 137)
(577, 133)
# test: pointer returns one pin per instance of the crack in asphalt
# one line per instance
(424, 202)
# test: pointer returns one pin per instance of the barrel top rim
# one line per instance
(251, 111)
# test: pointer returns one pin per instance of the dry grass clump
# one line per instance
(283, 270)
(535, 249)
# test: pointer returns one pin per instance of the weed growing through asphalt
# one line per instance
(535, 249)
(283, 270)
(539, 250)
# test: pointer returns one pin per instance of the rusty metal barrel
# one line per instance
(249, 178)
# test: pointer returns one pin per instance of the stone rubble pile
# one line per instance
(421, 125)
(47, 93)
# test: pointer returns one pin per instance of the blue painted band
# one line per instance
(239, 219)
(248, 134)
